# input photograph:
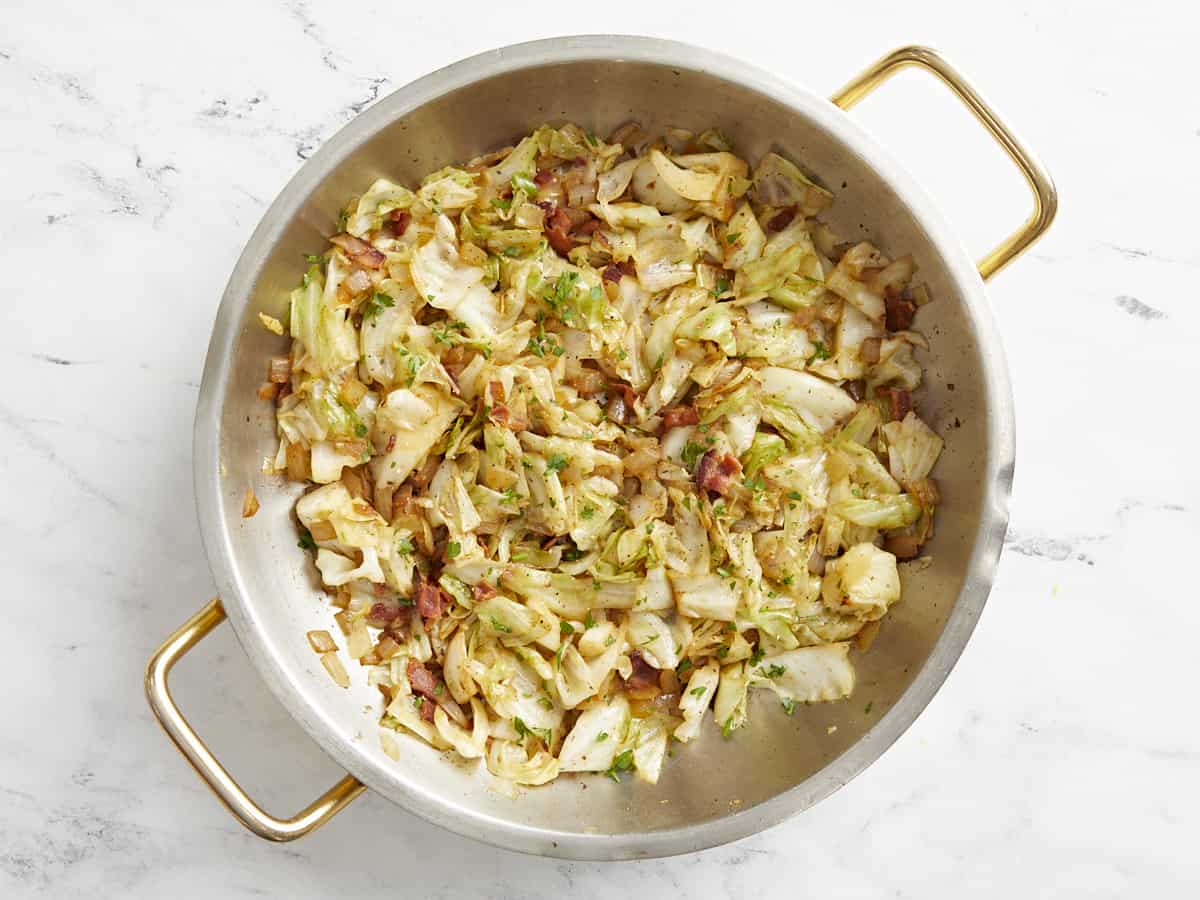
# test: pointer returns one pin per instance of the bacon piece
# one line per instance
(497, 391)
(899, 311)
(483, 591)
(359, 250)
(380, 615)
(429, 599)
(901, 401)
(781, 219)
(543, 177)
(679, 416)
(422, 680)
(588, 227)
(643, 676)
(857, 389)
(503, 416)
(500, 415)
(400, 220)
(558, 226)
(428, 708)
(868, 352)
(903, 546)
(716, 472)
(280, 370)
(615, 271)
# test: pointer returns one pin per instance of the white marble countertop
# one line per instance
(140, 144)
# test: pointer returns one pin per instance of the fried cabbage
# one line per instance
(599, 437)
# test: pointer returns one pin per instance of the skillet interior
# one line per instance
(774, 766)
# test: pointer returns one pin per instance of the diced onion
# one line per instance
(333, 665)
(321, 642)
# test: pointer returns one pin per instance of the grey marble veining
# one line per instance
(140, 143)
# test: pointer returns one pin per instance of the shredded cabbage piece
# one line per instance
(601, 436)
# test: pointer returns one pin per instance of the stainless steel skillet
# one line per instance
(722, 789)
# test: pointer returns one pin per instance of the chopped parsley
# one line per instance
(500, 626)
(562, 291)
(697, 691)
(557, 462)
(587, 512)
(542, 734)
(789, 705)
(602, 736)
(589, 622)
(448, 333)
(691, 453)
(822, 352)
(566, 628)
(721, 287)
(867, 708)
(622, 762)
(795, 495)
(773, 671)
(453, 549)
(756, 656)
(683, 666)
(541, 343)
(377, 303)
(306, 541)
